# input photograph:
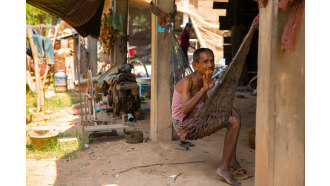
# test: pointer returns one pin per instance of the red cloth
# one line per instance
(293, 22)
(262, 3)
(284, 4)
(184, 40)
(42, 67)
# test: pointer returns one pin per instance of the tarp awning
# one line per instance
(83, 15)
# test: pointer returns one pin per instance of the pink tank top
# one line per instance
(177, 113)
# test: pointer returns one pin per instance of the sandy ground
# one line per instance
(112, 155)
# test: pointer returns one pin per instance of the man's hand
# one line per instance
(207, 81)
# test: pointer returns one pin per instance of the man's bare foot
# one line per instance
(234, 164)
(228, 176)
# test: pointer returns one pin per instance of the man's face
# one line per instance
(205, 62)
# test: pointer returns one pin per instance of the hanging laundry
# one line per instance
(293, 22)
(45, 48)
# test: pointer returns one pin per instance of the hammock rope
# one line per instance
(215, 113)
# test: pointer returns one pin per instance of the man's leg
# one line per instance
(233, 162)
(228, 150)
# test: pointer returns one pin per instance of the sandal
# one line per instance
(241, 174)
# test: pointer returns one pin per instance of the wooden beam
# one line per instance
(226, 40)
(104, 127)
(227, 53)
(225, 22)
(39, 90)
(222, 5)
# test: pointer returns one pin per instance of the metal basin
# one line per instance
(42, 138)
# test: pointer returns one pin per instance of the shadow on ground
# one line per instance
(102, 161)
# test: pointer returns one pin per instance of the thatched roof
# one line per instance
(83, 15)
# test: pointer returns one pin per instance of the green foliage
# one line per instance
(74, 97)
(35, 16)
(60, 101)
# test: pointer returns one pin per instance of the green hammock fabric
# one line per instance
(215, 113)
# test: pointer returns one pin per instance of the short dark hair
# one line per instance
(188, 24)
(200, 50)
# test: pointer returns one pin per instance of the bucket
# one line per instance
(60, 81)
(145, 84)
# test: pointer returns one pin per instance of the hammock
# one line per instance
(215, 113)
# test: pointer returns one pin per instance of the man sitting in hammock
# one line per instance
(190, 93)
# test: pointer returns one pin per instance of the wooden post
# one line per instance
(92, 53)
(160, 123)
(118, 56)
(45, 76)
(30, 82)
(55, 33)
(80, 99)
(27, 62)
(39, 90)
(280, 117)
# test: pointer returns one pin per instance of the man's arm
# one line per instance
(188, 102)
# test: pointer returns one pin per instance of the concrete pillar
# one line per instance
(92, 53)
(280, 124)
(119, 51)
(160, 124)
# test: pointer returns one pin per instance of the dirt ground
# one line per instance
(112, 155)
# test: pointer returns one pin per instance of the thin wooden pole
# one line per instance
(76, 53)
(45, 76)
(36, 64)
(85, 106)
(56, 30)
